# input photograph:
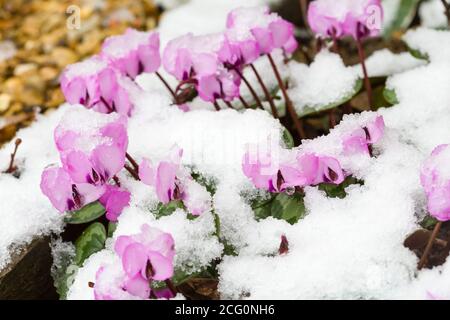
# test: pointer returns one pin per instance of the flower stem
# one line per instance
(447, 10)
(304, 10)
(216, 105)
(266, 92)
(12, 167)
(332, 118)
(167, 86)
(134, 174)
(423, 259)
(250, 88)
(132, 161)
(244, 103)
(228, 103)
(362, 58)
(289, 106)
(116, 181)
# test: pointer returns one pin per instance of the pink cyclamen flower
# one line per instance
(258, 24)
(163, 176)
(64, 193)
(133, 52)
(96, 85)
(196, 60)
(303, 173)
(114, 199)
(145, 257)
(262, 170)
(435, 179)
(92, 146)
(362, 139)
(336, 19)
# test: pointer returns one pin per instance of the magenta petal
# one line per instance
(90, 193)
(79, 167)
(115, 200)
(57, 186)
(282, 31)
(121, 244)
(356, 143)
(147, 173)
(375, 130)
(117, 131)
(165, 293)
(137, 286)
(108, 160)
(162, 266)
(75, 91)
(332, 170)
(439, 203)
(264, 39)
(165, 181)
(209, 88)
(134, 259)
(205, 64)
(108, 85)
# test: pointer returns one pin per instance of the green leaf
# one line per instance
(403, 17)
(338, 191)
(418, 54)
(91, 241)
(208, 183)
(390, 95)
(315, 109)
(288, 208)
(64, 279)
(428, 222)
(86, 214)
(181, 276)
(111, 228)
(288, 139)
(163, 210)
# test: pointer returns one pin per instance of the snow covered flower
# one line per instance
(336, 19)
(435, 179)
(133, 52)
(96, 85)
(172, 183)
(145, 257)
(269, 30)
(64, 193)
(195, 60)
(262, 170)
(93, 148)
(361, 140)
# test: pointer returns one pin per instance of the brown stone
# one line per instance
(48, 73)
(5, 101)
(28, 275)
(63, 56)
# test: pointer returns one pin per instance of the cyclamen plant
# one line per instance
(358, 19)
(435, 180)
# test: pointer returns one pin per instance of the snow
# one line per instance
(325, 81)
(432, 14)
(433, 42)
(384, 63)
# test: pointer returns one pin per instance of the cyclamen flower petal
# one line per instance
(196, 198)
(261, 170)
(303, 173)
(64, 194)
(360, 139)
(133, 52)
(330, 171)
(152, 249)
(439, 203)
(114, 200)
(94, 84)
(359, 19)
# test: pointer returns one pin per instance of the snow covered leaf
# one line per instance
(91, 241)
(338, 191)
(86, 214)
(167, 209)
(288, 208)
(418, 54)
(288, 139)
(390, 96)
(306, 110)
(401, 20)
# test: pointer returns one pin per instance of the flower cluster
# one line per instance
(337, 19)
(91, 154)
(145, 257)
(435, 179)
(306, 170)
(173, 183)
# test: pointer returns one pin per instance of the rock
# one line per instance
(48, 73)
(63, 56)
(28, 275)
(5, 101)
(24, 69)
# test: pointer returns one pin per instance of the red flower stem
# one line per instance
(132, 161)
(266, 92)
(447, 10)
(216, 105)
(167, 86)
(332, 118)
(244, 103)
(304, 9)
(171, 286)
(229, 105)
(133, 173)
(362, 58)
(12, 167)
(423, 259)
(289, 106)
(249, 86)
